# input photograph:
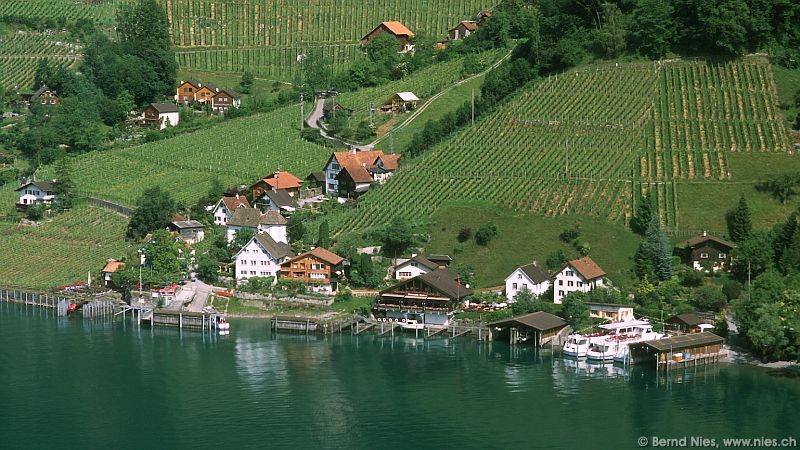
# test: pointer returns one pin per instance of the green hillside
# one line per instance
(585, 141)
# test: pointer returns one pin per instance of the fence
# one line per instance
(59, 305)
(124, 210)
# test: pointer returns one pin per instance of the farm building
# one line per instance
(162, 115)
(253, 220)
(707, 252)
(223, 210)
(430, 298)
(261, 257)
(401, 102)
(224, 100)
(678, 351)
(530, 277)
(578, 275)
(33, 192)
(462, 30)
(538, 328)
(189, 231)
(319, 269)
(612, 312)
(394, 28)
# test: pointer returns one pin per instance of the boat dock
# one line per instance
(678, 352)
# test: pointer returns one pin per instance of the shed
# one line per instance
(684, 348)
(688, 323)
(402, 101)
(540, 326)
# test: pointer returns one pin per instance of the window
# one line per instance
(294, 265)
(514, 286)
(580, 283)
(334, 166)
(561, 293)
(405, 274)
(722, 256)
(252, 272)
(331, 186)
(570, 273)
(263, 263)
(569, 283)
(263, 273)
(703, 255)
(560, 282)
(524, 285)
(519, 276)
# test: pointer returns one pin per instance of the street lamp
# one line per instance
(141, 263)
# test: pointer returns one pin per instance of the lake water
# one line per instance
(82, 384)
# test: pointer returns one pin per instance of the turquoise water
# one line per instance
(82, 384)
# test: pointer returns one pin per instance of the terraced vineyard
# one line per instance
(236, 152)
(60, 251)
(101, 11)
(583, 143)
(20, 54)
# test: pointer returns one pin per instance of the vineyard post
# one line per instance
(473, 107)
(302, 112)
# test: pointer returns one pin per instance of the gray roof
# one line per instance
(697, 240)
(181, 224)
(424, 262)
(441, 259)
(689, 319)
(252, 218)
(164, 107)
(535, 272)
(281, 198)
(46, 186)
(684, 341)
(442, 280)
(278, 250)
(319, 177)
(539, 320)
(40, 91)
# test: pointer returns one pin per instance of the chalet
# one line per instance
(462, 30)
(42, 96)
(186, 91)
(189, 231)
(111, 267)
(384, 166)
(430, 298)
(353, 181)
(413, 267)
(396, 29)
(33, 192)
(278, 180)
(360, 165)
(223, 210)
(205, 93)
(688, 323)
(319, 269)
(612, 312)
(706, 251)
(161, 115)
(316, 179)
(578, 275)
(261, 257)
(401, 102)
(224, 100)
(538, 328)
(252, 219)
(277, 200)
(531, 277)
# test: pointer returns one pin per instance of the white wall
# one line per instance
(254, 261)
(411, 267)
(331, 184)
(173, 118)
(222, 215)
(518, 281)
(276, 232)
(568, 280)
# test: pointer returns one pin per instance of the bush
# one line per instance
(708, 298)
(344, 295)
(691, 278)
(464, 234)
(570, 234)
(555, 260)
(732, 290)
(35, 212)
(485, 233)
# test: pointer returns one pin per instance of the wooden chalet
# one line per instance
(401, 102)
(353, 181)
(186, 91)
(539, 328)
(224, 100)
(42, 96)
(319, 269)
(205, 93)
(462, 30)
(707, 251)
(430, 298)
(394, 28)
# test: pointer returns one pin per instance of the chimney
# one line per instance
(353, 151)
(413, 255)
(705, 233)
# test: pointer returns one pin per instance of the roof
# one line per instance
(357, 163)
(47, 186)
(181, 224)
(697, 240)
(230, 92)
(446, 259)
(539, 320)
(688, 319)
(163, 108)
(613, 305)
(278, 250)
(113, 265)
(281, 198)
(234, 202)
(535, 272)
(283, 180)
(319, 177)
(421, 260)
(587, 268)
(397, 28)
(252, 218)
(321, 254)
(443, 280)
(390, 161)
(40, 91)
(684, 341)
(194, 83)
(468, 24)
(407, 96)
(210, 86)
(358, 174)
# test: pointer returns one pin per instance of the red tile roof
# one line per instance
(358, 174)
(397, 28)
(587, 268)
(283, 180)
(113, 265)
(235, 202)
(390, 162)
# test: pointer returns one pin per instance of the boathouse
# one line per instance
(687, 323)
(540, 328)
(678, 351)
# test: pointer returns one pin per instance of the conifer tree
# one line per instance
(739, 221)
(323, 238)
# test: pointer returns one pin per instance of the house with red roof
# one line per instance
(462, 30)
(362, 169)
(111, 267)
(394, 28)
(578, 275)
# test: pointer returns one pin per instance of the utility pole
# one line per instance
(302, 111)
(473, 107)
(391, 142)
(372, 113)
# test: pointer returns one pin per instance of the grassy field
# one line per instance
(787, 83)
(524, 237)
(60, 251)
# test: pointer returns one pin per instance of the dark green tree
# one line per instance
(323, 235)
(739, 221)
(654, 253)
(383, 52)
(246, 83)
(784, 235)
(397, 237)
(754, 255)
(295, 226)
(317, 70)
(485, 233)
(646, 207)
(575, 311)
(790, 260)
(65, 186)
(154, 210)
(652, 29)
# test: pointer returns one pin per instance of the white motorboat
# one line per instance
(640, 333)
(619, 334)
(604, 350)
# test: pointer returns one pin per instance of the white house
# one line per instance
(36, 192)
(353, 159)
(578, 275)
(261, 257)
(109, 269)
(276, 200)
(415, 266)
(270, 222)
(531, 277)
(612, 312)
(384, 167)
(189, 231)
(162, 114)
(223, 210)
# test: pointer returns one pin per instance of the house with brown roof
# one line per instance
(413, 267)
(161, 115)
(430, 298)
(111, 267)
(538, 328)
(319, 269)
(462, 30)
(261, 257)
(225, 99)
(578, 275)
(253, 220)
(42, 96)
(353, 181)
(707, 252)
(32, 192)
(363, 167)
(185, 92)
(277, 180)
(225, 207)
(205, 93)
(482, 17)
(394, 28)
(531, 277)
(277, 200)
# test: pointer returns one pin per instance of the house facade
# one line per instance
(261, 257)
(277, 180)
(34, 192)
(531, 277)
(707, 251)
(277, 200)
(189, 231)
(384, 166)
(578, 275)
(225, 207)
(161, 115)
(402, 102)
(394, 28)
(185, 93)
(361, 167)
(462, 30)
(611, 312)
(430, 298)
(318, 269)
(224, 100)
(205, 93)
(413, 267)
(44, 96)
(111, 267)
(252, 219)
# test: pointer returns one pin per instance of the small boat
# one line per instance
(604, 350)
(223, 326)
(72, 308)
(577, 345)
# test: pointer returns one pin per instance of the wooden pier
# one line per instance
(180, 319)
(300, 324)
